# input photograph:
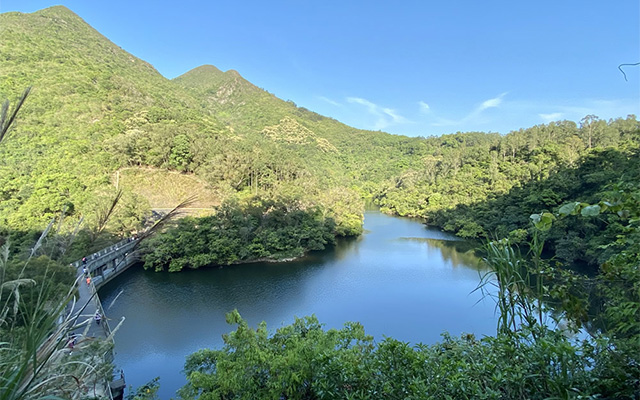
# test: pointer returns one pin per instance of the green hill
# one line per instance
(90, 99)
(95, 108)
(346, 156)
(290, 180)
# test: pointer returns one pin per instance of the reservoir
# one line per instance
(399, 279)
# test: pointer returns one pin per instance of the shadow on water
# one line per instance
(241, 286)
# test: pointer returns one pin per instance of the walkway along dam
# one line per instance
(93, 271)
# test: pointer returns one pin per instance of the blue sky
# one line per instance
(405, 67)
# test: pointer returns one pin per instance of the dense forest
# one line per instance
(101, 133)
(486, 186)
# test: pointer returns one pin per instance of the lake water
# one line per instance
(398, 279)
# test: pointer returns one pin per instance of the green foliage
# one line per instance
(482, 186)
(254, 365)
(40, 269)
(148, 391)
(180, 156)
(610, 305)
(303, 361)
(261, 229)
(513, 281)
(542, 222)
(35, 325)
(577, 192)
(618, 289)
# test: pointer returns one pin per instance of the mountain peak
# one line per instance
(204, 72)
(206, 68)
(56, 11)
(53, 13)
(209, 78)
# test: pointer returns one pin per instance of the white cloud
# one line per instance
(372, 107)
(384, 116)
(504, 114)
(491, 103)
(474, 115)
(551, 117)
(396, 118)
(575, 109)
(424, 107)
(328, 100)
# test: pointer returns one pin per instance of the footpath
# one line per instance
(92, 321)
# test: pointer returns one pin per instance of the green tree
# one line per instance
(180, 156)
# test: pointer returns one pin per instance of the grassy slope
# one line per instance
(164, 189)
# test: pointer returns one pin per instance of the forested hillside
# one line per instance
(286, 180)
(95, 110)
(486, 185)
(97, 113)
(87, 96)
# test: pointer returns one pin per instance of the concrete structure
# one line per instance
(109, 262)
(101, 267)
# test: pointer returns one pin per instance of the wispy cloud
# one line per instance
(394, 115)
(491, 103)
(328, 100)
(474, 115)
(384, 116)
(372, 107)
(551, 117)
(498, 113)
(575, 109)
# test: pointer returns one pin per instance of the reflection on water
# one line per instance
(457, 252)
(398, 279)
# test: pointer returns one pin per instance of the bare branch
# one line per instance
(165, 219)
(630, 65)
(5, 123)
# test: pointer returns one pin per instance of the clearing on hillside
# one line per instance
(165, 189)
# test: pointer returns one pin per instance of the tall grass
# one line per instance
(35, 359)
(38, 356)
(518, 285)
